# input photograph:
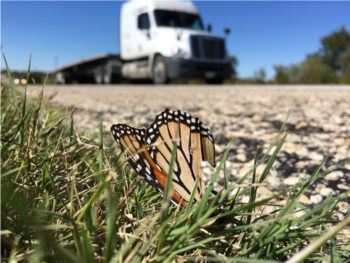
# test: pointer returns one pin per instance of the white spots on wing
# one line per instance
(148, 171)
(193, 120)
(155, 126)
(138, 168)
(150, 130)
(148, 140)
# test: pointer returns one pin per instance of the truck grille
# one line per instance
(208, 48)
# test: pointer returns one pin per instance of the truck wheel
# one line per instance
(214, 81)
(160, 74)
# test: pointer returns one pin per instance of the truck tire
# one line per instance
(159, 71)
(214, 81)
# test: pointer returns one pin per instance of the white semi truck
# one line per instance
(162, 40)
(159, 40)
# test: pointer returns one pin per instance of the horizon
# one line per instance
(263, 34)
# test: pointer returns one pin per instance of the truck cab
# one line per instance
(163, 40)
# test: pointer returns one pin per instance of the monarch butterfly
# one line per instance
(149, 152)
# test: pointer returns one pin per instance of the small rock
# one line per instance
(326, 191)
(291, 180)
(245, 199)
(315, 199)
(304, 200)
(302, 125)
(343, 207)
(339, 216)
(315, 156)
(207, 171)
(241, 157)
(334, 176)
(264, 192)
(273, 180)
(299, 213)
(343, 187)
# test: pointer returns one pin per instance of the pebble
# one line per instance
(241, 157)
(326, 191)
(302, 125)
(292, 180)
(274, 181)
(304, 200)
(316, 156)
(264, 191)
(343, 207)
(334, 176)
(343, 187)
(315, 199)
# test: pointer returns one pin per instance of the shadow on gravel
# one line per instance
(300, 129)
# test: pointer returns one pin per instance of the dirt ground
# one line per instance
(318, 123)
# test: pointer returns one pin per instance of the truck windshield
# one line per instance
(178, 19)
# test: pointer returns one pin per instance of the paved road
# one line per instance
(318, 125)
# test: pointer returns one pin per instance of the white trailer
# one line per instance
(162, 40)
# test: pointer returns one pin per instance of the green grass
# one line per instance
(70, 198)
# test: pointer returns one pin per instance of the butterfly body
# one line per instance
(149, 152)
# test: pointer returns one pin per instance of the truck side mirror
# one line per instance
(209, 28)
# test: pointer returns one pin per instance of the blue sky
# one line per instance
(263, 34)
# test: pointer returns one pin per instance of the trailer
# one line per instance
(104, 69)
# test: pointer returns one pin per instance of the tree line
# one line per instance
(330, 64)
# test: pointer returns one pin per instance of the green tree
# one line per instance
(281, 75)
(333, 48)
(331, 64)
(314, 71)
(345, 65)
(260, 76)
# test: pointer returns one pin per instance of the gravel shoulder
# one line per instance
(318, 124)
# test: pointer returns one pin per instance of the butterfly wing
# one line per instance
(207, 144)
(132, 143)
(138, 156)
(195, 143)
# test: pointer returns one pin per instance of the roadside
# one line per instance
(318, 124)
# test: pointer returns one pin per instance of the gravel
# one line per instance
(318, 124)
